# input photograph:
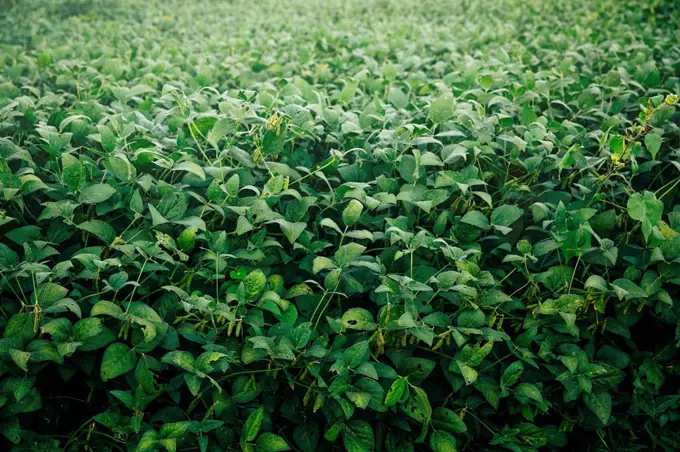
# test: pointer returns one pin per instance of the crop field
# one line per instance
(361, 225)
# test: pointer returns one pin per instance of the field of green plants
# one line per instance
(361, 225)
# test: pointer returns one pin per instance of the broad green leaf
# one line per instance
(108, 139)
(182, 359)
(505, 215)
(357, 354)
(107, 308)
(441, 441)
(252, 425)
(190, 167)
(529, 391)
(653, 144)
(600, 403)
(221, 129)
(418, 406)
(117, 360)
(100, 229)
(512, 374)
(174, 429)
(445, 419)
(349, 90)
(625, 288)
(20, 358)
(291, 230)
(254, 283)
(358, 319)
(348, 253)
(357, 436)
(121, 167)
(469, 374)
(270, 442)
(187, 239)
(441, 109)
(136, 202)
(645, 208)
(396, 392)
(352, 212)
(322, 263)
(48, 294)
(94, 194)
(73, 172)
(477, 219)
(306, 437)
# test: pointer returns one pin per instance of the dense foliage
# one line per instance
(360, 224)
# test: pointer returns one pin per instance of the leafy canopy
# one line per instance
(348, 225)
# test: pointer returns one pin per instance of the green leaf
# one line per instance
(243, 226)
(121, 167)
(418, 406)
(357, 354)
(156, 217)
(174, 429)
(653, 144)
(172, 206)
(441, 441)
(358, 319)
(505, 215)
(73, 172)
(48, 294)
(20, 358)
(469, 374)
(182, 359)
(596, 282)
(349, 90)
(357, 436)
(187, 239)
(269, 442)
(252, 425)
(99, 229)
(136, 202)
(529, 391)
(441, 109)
(117, 360)
(327, 222)
(291, 230)
(476, 218)
(645, 208)
(107, 308)
(512, 374)
(334, 431)
(222, 128)
(627, 289)
(347, 254)
(397, 97)
(445, 419)
(396, 392)
(94, 194)
(190, 167)
(254, 283)
(306, 437)
(485, 81)
(600, 403)
(108, 139)
(322, 263)
(352, 212)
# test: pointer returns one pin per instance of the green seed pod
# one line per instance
(308, 396)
